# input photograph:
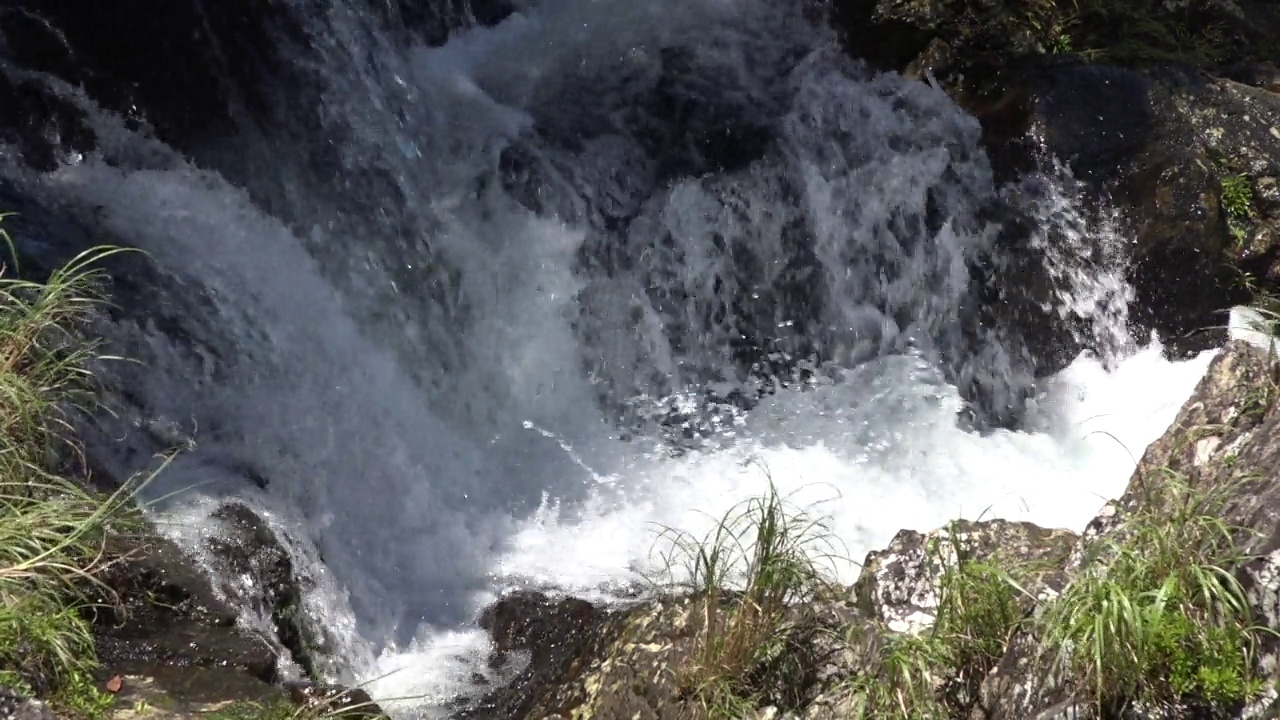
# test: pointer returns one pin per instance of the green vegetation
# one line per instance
(922, 676)
(1131, 32)
(773, 556)
(340, 705)
(52, 528)
(1156, 615)
(1237, 201)
(1159, 616)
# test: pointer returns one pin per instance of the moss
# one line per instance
(1141, 32)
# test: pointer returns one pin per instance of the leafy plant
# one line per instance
(1237, 201)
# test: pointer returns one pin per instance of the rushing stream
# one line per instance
(603, 267)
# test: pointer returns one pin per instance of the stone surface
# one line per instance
(164, 693)
(900, 585)
(257, 574)
(1160, 145)
(625, 662)
(165, 612)
(14, 706)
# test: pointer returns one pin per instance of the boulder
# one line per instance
(1120, 90)
(14, 706)
(1189, 162)
(900, 586)
(165, 612)
(628, 661)
(43, 126)
(256, 574)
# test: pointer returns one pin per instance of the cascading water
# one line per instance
(560, 238)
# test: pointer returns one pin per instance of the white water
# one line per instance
(413, 503)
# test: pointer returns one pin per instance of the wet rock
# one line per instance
(433, 22)
(165, 613)
(333, 701)
(14, 706)
(188, 66)
(159, 692)
(1186, 158)
(258, 574)
(562, 638)
(631, 661)
(1193, 231)
(44, 127)
(900, 585)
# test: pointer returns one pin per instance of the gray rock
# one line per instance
(17, 707)
(900, 585)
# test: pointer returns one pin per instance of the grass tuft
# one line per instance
(1158, 616)
(52, 528)
(762, 558)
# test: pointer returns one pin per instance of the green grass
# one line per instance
(763, 557)
(340, 705)
(933, 674)
(1159, 616)
(1156, 616)
(52, 528)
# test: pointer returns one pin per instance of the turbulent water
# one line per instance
(611, 266)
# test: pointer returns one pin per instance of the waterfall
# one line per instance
(475, 315)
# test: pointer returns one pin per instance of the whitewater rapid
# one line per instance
(876, 455)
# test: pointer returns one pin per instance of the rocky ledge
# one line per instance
(978, 620)
(171, 643)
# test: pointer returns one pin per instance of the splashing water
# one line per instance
(590, 210)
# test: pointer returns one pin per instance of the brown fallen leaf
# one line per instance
(115, 684)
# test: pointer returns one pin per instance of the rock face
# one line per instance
(179, 648)
(1119, 90)
(257, 574)
(168, 614)
(588, 662)
(1191, 160)
(16, 707)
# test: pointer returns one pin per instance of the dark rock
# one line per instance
(165, 612)
(188, 66)
(629, 662)
(1159, 145)
(332, 701)
(257, 574)
(16, 707)
(624, 663)
(161, 692)
(44, 127)
(433, 22)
